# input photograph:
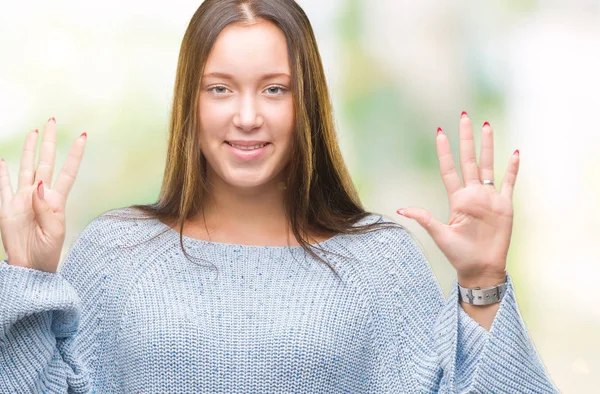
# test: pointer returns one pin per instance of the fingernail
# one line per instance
(464, 114)
(36, 131)
(52, 119)
(486, 124)
(40, 189)
(516, 152)
(439, 130)
(84, 134)
(400, 212)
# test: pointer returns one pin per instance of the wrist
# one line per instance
(482, 291)
(16, 262)
(482, 281)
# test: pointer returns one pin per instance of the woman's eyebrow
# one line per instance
(231, 77)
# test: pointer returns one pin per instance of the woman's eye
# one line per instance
(218, 89)
(272, 90)
(275, 89)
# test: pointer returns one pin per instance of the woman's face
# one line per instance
(246, 106)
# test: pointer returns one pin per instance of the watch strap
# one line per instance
(479, 296)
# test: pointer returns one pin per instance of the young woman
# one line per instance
(304, 291)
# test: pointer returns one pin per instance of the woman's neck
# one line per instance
(248, 216)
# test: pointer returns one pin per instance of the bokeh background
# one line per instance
(397, 70)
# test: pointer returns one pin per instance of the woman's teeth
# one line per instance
(246, 147)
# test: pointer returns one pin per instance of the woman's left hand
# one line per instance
(477, 236)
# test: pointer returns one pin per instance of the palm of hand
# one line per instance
(32, 220)
(20, 225)
(480, 224)
(477, 236)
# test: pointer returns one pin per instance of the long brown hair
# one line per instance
(319, 194)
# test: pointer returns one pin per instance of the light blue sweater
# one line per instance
(144, 319)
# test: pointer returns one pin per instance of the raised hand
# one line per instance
(32, 220)
(477, 236)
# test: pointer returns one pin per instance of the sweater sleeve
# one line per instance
(49, 323)
(448, 351)
(502, 360)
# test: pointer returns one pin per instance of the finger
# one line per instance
(468, 162)
(508, 183)
(67, 175)
(6, 191)
(43, 212)
(486, 158)
(27, 169)
(429, 222)
(447, 168)
(45, 165)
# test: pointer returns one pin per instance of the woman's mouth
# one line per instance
(247, 152)
(246, 147)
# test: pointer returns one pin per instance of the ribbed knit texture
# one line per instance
(144, 319)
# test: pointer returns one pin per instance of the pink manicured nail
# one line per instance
(40, 189)
(400, 212)
(439, 130)
(516, 152)
(36, 131)
(486, 124)
(84, 134)
(464, 114)
(52, 119)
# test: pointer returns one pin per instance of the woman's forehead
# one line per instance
(252, 50)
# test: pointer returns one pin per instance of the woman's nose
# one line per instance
(248, 116)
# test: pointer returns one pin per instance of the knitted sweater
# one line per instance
(129, 313)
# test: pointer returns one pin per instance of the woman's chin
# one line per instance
(245, 181)
(246, 178)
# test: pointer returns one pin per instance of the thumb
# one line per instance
(429, 222)
(42, 210)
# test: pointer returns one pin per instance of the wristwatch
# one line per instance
(479, 296)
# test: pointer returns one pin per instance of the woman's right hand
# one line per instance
(32, 220)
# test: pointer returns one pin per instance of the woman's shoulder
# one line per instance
(120, 227)
(381, 236)
(378, 226)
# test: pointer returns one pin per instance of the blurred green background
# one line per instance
(397, 70)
